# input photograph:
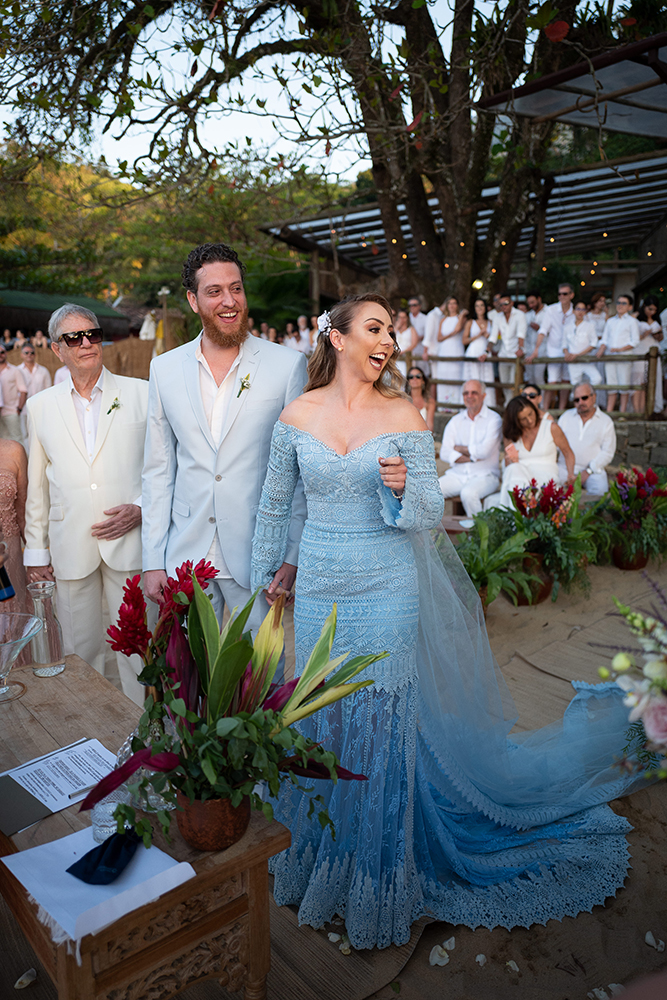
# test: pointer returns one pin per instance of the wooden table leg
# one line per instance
(259, 932)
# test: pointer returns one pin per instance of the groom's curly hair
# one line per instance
(208, 253)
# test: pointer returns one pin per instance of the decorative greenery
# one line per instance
(231, 726)
(563, 532)
(493, 568)
(633, 515)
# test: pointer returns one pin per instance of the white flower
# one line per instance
(656, 670)
(324, 323)
(438, 956)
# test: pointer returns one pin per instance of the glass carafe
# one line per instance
(47, 646)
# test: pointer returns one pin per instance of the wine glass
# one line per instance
(16, 631)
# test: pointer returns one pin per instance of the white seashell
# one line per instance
(438, 956)
(449, 944)
(512, 965)
(334, 938)
(615, 989)
(652, 943)
(660, 946)
(481, 960)
(598, 994)
(26, 979)
(345, 949)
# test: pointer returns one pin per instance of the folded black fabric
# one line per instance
(103, 864)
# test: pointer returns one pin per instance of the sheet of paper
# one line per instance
(64, 777)
(80, 908)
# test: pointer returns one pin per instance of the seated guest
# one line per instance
(39, 340)
(471, 445)
(534, 393)
(418, 388)
(532, 442)
(592, 437)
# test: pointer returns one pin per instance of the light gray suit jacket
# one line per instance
(193, 487)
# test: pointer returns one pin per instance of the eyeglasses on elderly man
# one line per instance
(76, 339)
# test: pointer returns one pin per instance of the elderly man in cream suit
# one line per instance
(212, 408)
(83, 511)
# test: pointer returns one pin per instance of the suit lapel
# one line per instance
(191, 379)
(70, 419)
(247, 367)
(110, 393)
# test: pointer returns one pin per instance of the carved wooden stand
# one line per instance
(216, 926)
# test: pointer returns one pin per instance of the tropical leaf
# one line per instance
(209, 625)
(227, 671)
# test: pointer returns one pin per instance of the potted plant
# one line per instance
(634, 519)
(494, 567)
(215, 723)
(562, 540)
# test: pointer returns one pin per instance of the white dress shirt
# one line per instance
(580, 336)
(433, 321)
(619, 331)
(509, 330)
(480, 435)
(593, 441)
(12, 386)
(556, 326)
(61, 375)
(88, 413)
(216, 399)
(35, 380)
(532, 316)
(299, 341)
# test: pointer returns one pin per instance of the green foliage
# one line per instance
(495, 568)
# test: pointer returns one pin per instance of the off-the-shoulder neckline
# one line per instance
(376, 437)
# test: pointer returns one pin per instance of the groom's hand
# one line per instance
(282, 583)
(393, 472)
(154, 581)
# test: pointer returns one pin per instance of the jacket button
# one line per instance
(211, 520)
(218, 478)
(93, 486)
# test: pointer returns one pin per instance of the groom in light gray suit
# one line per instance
(212, 407)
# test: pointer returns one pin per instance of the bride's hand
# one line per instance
(282, 583)
(393, 473)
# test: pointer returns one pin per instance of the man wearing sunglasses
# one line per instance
(83, 511)
(14, 394)
(592, 438)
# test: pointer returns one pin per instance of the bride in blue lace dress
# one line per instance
(457, 819)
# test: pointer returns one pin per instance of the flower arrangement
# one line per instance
(231, 726)
(645, 686)
(491, 562)
(634, 520)
(562, 533)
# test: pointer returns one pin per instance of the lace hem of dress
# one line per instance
(382, 915)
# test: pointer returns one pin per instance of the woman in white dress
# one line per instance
(532, 442)
(407, 337)
(650, 334)
(450, 344)
(597, 315)
(418, 389)
(476, 342)
(582, 342)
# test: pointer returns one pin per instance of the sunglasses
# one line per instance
(565, 293)
(410, 377)
(530, 395)
(76, 339)
(582, 399)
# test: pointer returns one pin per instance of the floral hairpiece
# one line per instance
(324, 324)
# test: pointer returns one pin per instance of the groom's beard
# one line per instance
(231, 338)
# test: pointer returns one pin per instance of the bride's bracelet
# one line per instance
(399, 496)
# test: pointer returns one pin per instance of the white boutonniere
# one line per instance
(245, 384)
(114, 406)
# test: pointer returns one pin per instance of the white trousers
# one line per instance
(10, 427)
(471, 489)
(506, 372)
(80, 615)
(597, 484)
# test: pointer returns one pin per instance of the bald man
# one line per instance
(471, 445)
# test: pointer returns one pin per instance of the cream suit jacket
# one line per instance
(67, 493)
(193, 486)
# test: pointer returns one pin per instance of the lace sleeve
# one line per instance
(275, 508)
(422, 504)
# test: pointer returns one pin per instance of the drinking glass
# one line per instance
(104, 825)
(16, 630)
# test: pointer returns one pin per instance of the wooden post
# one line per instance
(518, 376)
(652, 378)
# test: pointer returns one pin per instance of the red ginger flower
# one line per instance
(651, 478)
(131, 634)
(204, 571)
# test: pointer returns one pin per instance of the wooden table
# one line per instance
(214, 926)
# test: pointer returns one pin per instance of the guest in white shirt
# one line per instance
(36, 378)
(534, 317)
(650, 335)
(508, 333)
(557, 323)
(581, 342)
(418, 322)
(592, 438)
(14, 395)
(61, 375)
(471, 445)
(621, 335)
(447, 341)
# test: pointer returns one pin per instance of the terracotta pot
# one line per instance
(532, 563)
(626, 562)
(212, 825)
(483, 594)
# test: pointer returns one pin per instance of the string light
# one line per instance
(592, 272)
(551, 239)
(333, 232)
(532, 256)
(405, 256)
(393, 241)
(595, 263)
(649, 254)
(461, 244)
(604, 234)
(493, 270)
(477, 284)
(502, 243)
(423, 243)
(582, 283)
(446, 265)
(363, 244)
(544, 268)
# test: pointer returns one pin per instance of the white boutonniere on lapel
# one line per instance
(245, 384)
(114, 406)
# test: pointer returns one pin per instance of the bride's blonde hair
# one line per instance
(322, 365)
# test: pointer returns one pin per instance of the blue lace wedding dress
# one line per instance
(457, 819)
